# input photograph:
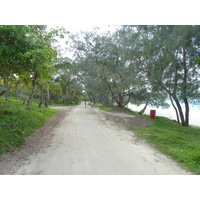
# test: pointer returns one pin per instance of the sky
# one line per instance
(76, 28)
(73, 28)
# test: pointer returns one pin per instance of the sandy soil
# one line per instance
(88, 141)
(40, 139)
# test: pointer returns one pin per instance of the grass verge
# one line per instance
(116, 109)
(65, 104)
(16, 123)
(180, 143)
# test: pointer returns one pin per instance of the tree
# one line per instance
(14, 43)
(171, 54)
(104, 57)
(41, 58)
(27, 51)
(143, 63)
(68, 81)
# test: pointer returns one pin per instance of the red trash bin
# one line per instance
(152, 114)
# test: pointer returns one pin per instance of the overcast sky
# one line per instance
(76, 28)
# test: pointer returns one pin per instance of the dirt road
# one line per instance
(90, 141)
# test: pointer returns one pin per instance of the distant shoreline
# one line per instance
(170, 113)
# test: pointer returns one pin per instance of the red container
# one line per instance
(152, 114)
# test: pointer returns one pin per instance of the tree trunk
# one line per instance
(173, 95)
(31, 100)
(185, 89)
(129, 97)
(177, 116)
(112, 100)
(120, 104)
(21, 95)
(186, 112)
(64, 96)
(89, 97)
(112, 93)
(32, 92)
(46, 100)
(7, 89)
(143, 110)
(41, 97)
(180, 110)
(48, 96)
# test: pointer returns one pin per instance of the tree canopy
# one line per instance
(137, 64)
(141, 64)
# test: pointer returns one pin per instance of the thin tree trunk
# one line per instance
(143, 110)
(173, 95)
(127, 101)
(177, 116)
(46, 100)
(112, 100)
(185, 89)
(63, 95)
(112, 93)
(180, 110)
(41, 97)
(32, 92)
(21, 95)
(31, 100)
(186, 112)
(7, 89)
(48, 97)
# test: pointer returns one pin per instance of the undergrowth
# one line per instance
(16, 123)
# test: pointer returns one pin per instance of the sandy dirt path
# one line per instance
(87, 142)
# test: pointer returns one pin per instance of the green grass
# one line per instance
(117, 109)
(181, 143)
(65, 104)
(16, 123)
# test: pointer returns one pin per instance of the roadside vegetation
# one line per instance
(140, 65)
(132, 64)
(32, 68)
(16, 123)
(66, 104)
(182, 144)
(117, 109)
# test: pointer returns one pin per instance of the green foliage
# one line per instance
(171, 58)
(181, 143)
(102, 63)
(16, 123)
(69, 84)
(23, 48)
(26, 54)
(113, 67)
(66, 104)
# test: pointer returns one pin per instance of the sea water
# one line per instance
(194, 115)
